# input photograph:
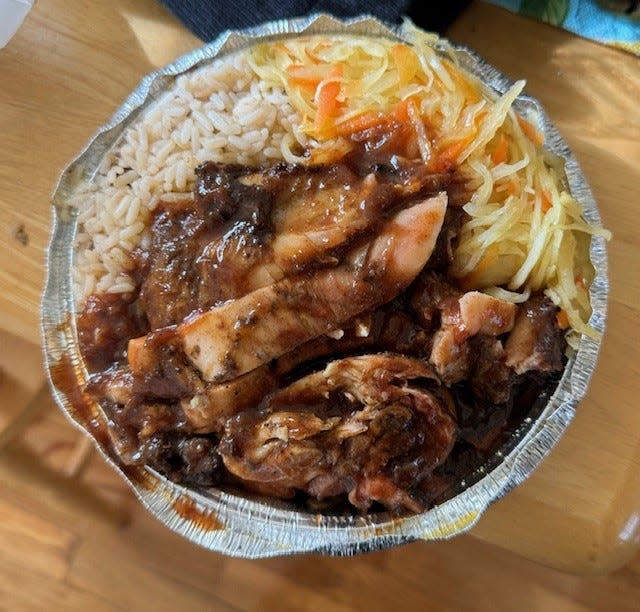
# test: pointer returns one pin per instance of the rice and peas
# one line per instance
(524, 232)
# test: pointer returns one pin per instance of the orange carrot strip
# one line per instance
(452, 151)
(446, 157)
(513, 186)
(363, 121)
(537, 138)
(499, 156)
(562, 319)
(327, 103)
(401, 110)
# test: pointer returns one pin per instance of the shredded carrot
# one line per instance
(562, 319)
(328, 103)
(536, 137)
(401, 110)
(499, 156)
(369, 119)
(452, 151)
(363, 121)
(406, 61)
(513, 186)
(446, 157)
(580, 282)
(547, 204)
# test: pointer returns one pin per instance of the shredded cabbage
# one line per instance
(524, 231)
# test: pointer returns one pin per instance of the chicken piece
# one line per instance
(243, 334)
(384, 490)
(189, 460)
(472, 314)
(372, 427)
(450, 356)
(434, 296)
(313, 216)
(442, 257)
(115, 385)
(234, 264)
(305, 230)
(387, 328)
(208, 410)
(374, 372)
(536, 342)
(159, 368)
(168, 277)
(249, 227)
(483, 314)
(310, 213)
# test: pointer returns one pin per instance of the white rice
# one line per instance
(221, 113)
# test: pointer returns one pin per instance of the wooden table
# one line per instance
(71, 65)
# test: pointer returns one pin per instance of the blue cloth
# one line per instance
(587, 18)
(207, 18)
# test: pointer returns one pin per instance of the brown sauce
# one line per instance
(83, 408)
(187, 509)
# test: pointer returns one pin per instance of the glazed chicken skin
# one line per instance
(296, 334)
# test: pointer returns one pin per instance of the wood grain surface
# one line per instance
(66, 71)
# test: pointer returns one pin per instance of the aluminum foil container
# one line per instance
(245, 526)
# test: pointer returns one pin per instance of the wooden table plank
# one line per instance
(29, 591)
(71, 65)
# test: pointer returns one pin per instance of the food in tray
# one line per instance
(332, 269)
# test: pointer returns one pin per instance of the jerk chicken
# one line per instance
(295, 333)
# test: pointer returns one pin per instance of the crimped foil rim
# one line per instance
(239, 526)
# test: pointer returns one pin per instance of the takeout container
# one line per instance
(246, 526)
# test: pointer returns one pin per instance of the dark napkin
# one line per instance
(208, 18)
